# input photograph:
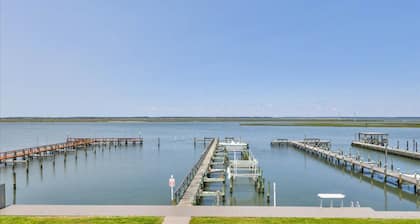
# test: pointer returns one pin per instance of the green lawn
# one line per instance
(299, 220)
(79, 220)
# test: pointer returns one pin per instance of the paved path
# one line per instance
(177, 212)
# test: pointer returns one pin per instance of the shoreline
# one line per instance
(374, 122)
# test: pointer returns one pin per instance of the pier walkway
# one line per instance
(178, 212)
(118, 141)
(190, 187)
(14, 154)
(394, 151)
(360, 166)
(71, 143)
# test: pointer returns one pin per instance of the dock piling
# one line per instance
(27, 166)
(14, 180)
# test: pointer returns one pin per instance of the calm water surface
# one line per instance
(139, 174)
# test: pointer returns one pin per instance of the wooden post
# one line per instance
(27, 166)
(14, 196)
(399, 180)
(14, 180)
(268, 193)
(218, 198)
(65, 155)
(398, 144)
(262, 185)
(158, 142)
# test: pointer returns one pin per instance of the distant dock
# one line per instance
(26, 155)
(379, 142)
(71, 144)
(394, 151)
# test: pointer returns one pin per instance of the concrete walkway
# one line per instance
(181, 214)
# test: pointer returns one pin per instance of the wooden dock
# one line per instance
(27, 152)
(70, 144)
(189, 190)
(394, 151)
(118, 141)
(360, 166)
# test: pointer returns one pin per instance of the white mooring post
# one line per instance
(274, 194)
(172, 185)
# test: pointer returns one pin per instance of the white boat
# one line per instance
(232, 145)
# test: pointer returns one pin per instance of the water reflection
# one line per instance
(127, 175)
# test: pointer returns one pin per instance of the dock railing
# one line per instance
(180, 191)
(14, 154)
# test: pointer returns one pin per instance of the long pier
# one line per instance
(188, 192)
(71, 143)
(394, 151)
(221, 158)
(357, 165)
(118, 141)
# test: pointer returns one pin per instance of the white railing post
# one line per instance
(274, 194)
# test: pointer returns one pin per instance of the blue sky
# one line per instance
(209, 58)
